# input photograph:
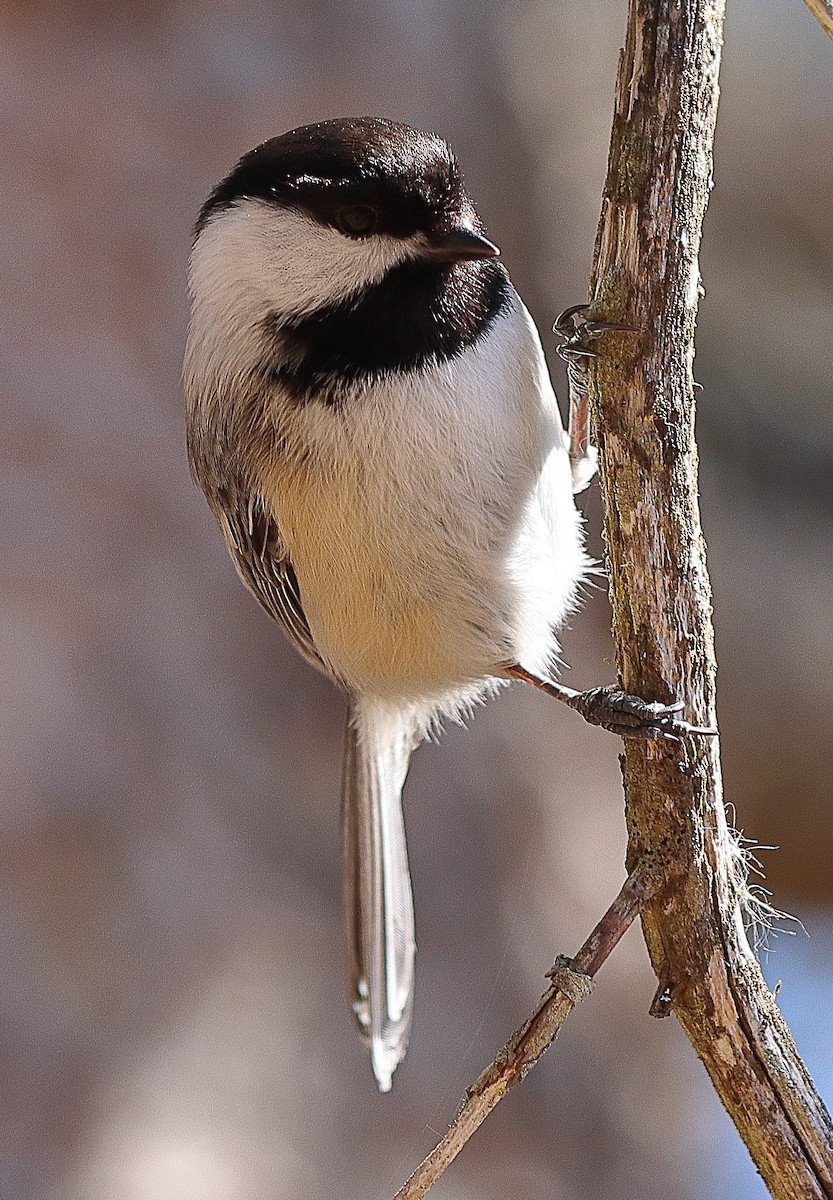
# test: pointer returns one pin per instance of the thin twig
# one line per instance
(822, 10)
(571, 982)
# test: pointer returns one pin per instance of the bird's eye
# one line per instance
(357, 220)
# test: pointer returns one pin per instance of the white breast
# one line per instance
(430, 520)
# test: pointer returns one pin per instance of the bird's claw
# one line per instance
(631, 717)
(620, 712)
(572, 325)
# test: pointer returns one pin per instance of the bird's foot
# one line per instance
(620, 712)
(578, 332)
(632, 717)
(577, 350)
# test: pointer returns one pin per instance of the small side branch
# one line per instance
(822, 10)
(572, 980)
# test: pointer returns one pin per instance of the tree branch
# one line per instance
(571, 981)
(822, 10)
(646, 274)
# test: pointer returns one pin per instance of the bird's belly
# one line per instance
(390, 610)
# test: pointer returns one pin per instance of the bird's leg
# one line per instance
(577, 350)
(620, 712)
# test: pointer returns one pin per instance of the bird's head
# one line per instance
(309, 219)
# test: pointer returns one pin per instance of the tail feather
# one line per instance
(377, 885)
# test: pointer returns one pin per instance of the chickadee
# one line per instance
(372, 421)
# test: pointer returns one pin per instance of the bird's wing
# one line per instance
(260, 556)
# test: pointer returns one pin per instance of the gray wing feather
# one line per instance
(377, 886)
(263, 564)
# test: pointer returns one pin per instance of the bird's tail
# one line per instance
(377, 884)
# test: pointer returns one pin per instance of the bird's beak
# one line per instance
(458, 244)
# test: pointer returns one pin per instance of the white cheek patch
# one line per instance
(256, 258)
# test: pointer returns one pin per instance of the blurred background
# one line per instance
(173, 1021)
